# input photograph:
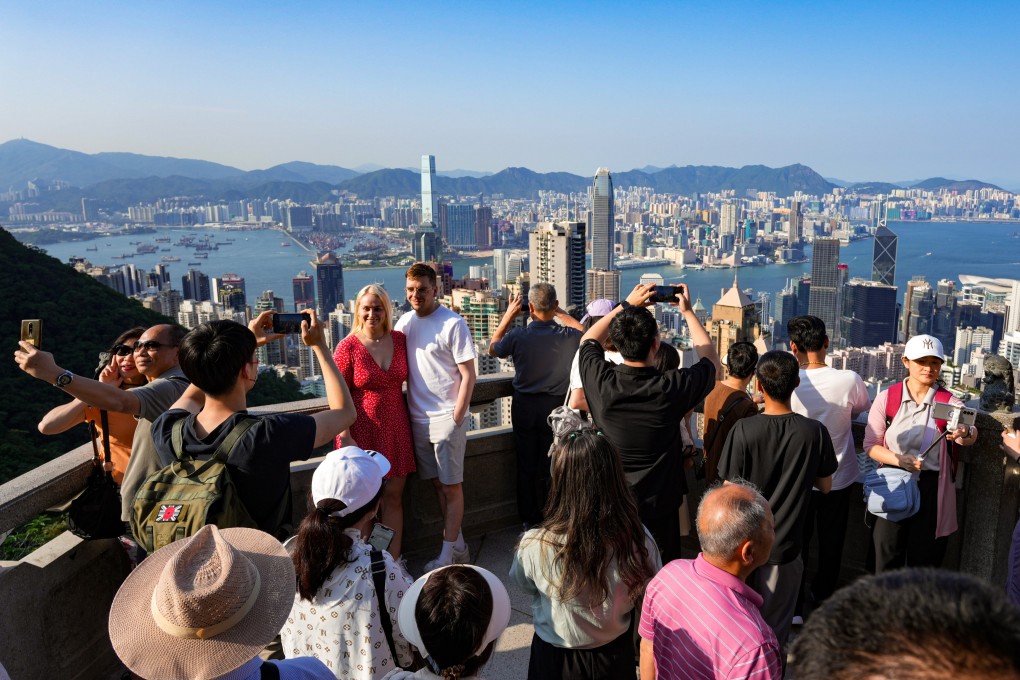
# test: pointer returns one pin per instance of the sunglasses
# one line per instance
(122, 350)
(150, 345)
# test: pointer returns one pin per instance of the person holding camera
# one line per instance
(640, 409)
(901, 425)
(219, 359)
(116, 366)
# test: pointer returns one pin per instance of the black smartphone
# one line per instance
(288, 323)
(665, 294)
(381, 537)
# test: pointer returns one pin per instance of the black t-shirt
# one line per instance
(639, 410)
(260, 464)
(781, 455)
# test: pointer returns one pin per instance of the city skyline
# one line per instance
(859, 93)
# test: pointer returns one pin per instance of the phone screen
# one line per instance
(381, 537)
(288, 323)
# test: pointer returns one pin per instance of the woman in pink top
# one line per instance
(919, 540)
(373, 361)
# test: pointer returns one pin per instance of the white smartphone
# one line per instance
(381, 537)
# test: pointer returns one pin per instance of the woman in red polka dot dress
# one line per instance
(373, 361)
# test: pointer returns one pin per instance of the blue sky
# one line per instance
(858, 91)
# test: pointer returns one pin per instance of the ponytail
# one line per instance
(322, 544)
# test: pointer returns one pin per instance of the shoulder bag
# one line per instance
(96, 512)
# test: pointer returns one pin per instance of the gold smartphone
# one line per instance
(31, 331)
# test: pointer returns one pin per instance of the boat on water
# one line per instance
(170, 258)
(194, 264)
(92, 249)
(285, 244)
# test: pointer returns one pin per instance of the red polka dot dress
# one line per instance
(383, 424)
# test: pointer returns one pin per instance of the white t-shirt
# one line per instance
(435, 345)
(575, 369)
(834, 397)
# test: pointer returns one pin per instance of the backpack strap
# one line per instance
(222, 452)
(269, 671)
(719, 421)
(893, 401)
(379, 579)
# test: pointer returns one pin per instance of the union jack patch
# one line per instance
(169, 513)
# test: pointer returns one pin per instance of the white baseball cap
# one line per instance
(924, 346)
(350, 475)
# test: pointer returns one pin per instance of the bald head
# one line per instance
(731, 515)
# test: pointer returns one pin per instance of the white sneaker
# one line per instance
(462, 556)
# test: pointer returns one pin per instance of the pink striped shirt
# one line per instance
(704, 623)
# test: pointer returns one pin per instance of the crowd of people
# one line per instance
(601, 505)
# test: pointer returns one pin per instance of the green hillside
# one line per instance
(81, 317)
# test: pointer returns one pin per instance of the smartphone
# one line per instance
(288, 323)
(665, 294)
(381, 537)
(954, 415)
(31, 332)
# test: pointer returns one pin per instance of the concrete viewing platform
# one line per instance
(56, 600)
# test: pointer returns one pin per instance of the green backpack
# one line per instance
(183, 497)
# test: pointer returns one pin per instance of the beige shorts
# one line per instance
(439, 449)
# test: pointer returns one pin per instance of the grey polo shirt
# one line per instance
(542, 353)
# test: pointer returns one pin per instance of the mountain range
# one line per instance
(117, 180)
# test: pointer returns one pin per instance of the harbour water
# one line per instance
(935, 250)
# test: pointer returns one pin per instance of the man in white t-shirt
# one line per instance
(833, 397)
(440, 379)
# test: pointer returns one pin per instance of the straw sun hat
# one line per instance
(203, 606)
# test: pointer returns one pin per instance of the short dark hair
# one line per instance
(213, 353)
(808, 332)
(453, 613)
(633, 331)
(911, 623)
(419, 270)
(778, 374)
(741, 358)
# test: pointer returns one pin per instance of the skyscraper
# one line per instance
(796, 225)
(460, 225)
(869, 313)
(329, 278)
(884, 262)
(603, 220)
(918, 308)
(824, 296)
(429, 208)
(230, 292)
(426, 244)
(557, 257)
(729, 213)
(483, 226)
(304, 292)
(273, 352)
(603, 285)
(195, 286)
(734, 319)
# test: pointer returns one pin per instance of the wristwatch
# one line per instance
(64, 379)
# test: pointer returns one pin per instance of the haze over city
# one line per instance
(859, 93)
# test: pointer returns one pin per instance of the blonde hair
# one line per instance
(373, 289)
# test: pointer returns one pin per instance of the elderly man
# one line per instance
(156, 359)
(700, 619)
(541, 354)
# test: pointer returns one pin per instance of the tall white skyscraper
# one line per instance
(429, 206)
(603, 220)
(729, 213)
